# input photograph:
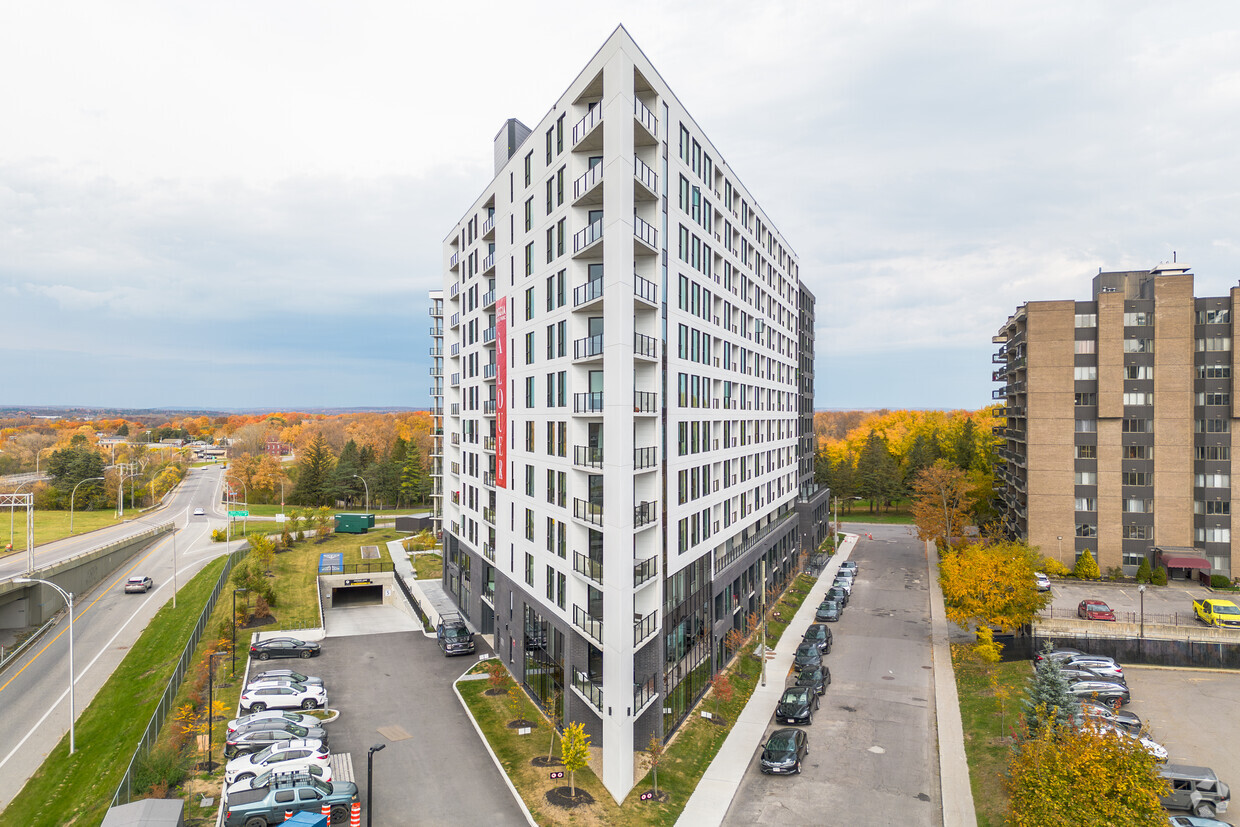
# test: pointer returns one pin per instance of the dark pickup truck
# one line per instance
(299, 792)
(453, 635)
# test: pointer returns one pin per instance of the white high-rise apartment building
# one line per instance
(628, 407)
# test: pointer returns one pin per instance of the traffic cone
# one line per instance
(288, 814)
(355, 817)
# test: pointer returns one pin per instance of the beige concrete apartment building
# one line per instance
(1119, 419)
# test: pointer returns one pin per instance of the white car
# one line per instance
(292, 717)
(1151, 746)
(198, 512)
(844, 583)
(282, 756)
(286, 696)
(323, 773)
(1043, 582)
(138, 584)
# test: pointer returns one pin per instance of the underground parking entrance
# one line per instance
(356, 591)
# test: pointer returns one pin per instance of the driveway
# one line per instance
(873, 744)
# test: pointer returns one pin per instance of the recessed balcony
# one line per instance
(587, 456)
(645, 402)
(588, 294)
(588, 512)
(488, 299)
(588, 349)
(488, 514)
(588, 188)
(488, 264)
(645, 237)
(489, 371)
(488, 407)
(646, 290)
(454, 262)
(645, 514)
(645, 459)
(589, 238)
(648, 134)
(488, 444)
(647, 179)
(645, 347)
(645, 628)
(488, 335)
(586, 132)
(488, 227)
(645, 571)
(588, 567)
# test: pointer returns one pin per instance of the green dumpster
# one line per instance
(354, 523)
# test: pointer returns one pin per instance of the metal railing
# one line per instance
(645, 513)
(645, 232)
(646, 117)
(584, 126)
(645, 570)
(643, 693)
(644, 345)
(592, 691)
(589, 512)
(587, 347)
(592, 626)
(645, 458)
(587, 292)
(645, 402)
(586, 181)
(588, 456)
(588, 402)
(588, 566)
(645, 627)
(645, 289)
(585, 237)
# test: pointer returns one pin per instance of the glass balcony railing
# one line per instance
(585, 237)
(586, 125)
(646, 232)
(588, 292)
(645, 627)
(587, 566)
(645, 402)
(645, 513)
(645, 458)
(647, 346)
(588, 512)
(587, 348)
(645, 117)
(645, 289)
(645, 571)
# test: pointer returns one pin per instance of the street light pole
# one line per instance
(74, 494)
(363, 479)
(370, 781)
(234, 646)
(211, 701)
(1141, 590)
(68, 596)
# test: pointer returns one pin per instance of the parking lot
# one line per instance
(1171, 604)
(396, 689)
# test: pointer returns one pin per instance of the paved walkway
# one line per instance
(430, 594)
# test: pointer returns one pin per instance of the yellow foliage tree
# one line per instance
(1064, 775)
(941, 503)
(991, 584)
(574, 753)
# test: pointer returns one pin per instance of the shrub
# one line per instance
(1159, 577)
(1086, 568)
(218, 535)
(1220, 581)
(1143, 571)
(1054, 568)
(1115, 573)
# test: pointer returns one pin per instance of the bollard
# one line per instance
(355, 817)
(327, 811)
(288, 814)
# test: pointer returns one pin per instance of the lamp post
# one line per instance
(11, 507)
(68, 596)
(1060, 541)
(370, 781)
(1141, 591)
(234, 646)
(38, 454)
(363, 479)
(211, 700)
(74, 494)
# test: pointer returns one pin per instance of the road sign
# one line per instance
(238, 513)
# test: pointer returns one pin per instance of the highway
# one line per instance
(34, 692)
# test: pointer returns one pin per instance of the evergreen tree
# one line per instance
(922, 454)
(1143, 571)
(963, 448)
(878, 478)
(1049, 697)
(314, 474)
(123, 430)
(822, 468)
(414, 480)
(386, 475)
(1086, 568)
(344, 485)
(71, 465)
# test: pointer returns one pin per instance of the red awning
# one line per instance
(1186, 563)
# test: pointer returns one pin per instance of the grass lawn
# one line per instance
(686, 758)
(988, 726)
(428, 566)
(78, 789)
(899, 515)
(271, 510)
(54, 525)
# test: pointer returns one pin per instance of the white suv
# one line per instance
(282, 756)
(283, 696)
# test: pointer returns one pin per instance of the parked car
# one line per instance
(807, 654)
(296, 677)
(1116, 717)
(1108, 692)
(838, 595)
(828, 612)
(323, 773)
(283, 647)
(850, 565)
(1151, 746)
(453, 636)
(1100, 664)
(784, 751)
(281, 756)
(1055, 654)
(819, 635)
(263, 806)
(273, 714)
(1217, 612)
(288, 696)
(1195, 821)
(844, 583)
(1082, 673)
(254, 740)
(817, 678)
(796, 706)
(1094, 610)
(1042, 581)
(139, 584)
(1195, 789)
(849, 573)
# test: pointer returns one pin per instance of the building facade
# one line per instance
(436, 395)
(627, 406)
(1118, 433)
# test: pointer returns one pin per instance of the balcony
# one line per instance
(488, 444)
(589, 184)
(645, 459)
(437, 331)
(588, 567)
(587, 293)
(456, 439)
(489, 371)
(645, 346)
(435, 391)
(456, 349)
(645, 290)
(488, 551)
(488, 514)
(488, 407)
(436, 370)
(585, 239)
(643, 694)
(488, 299)
(588, 457)
(645, 402)
(645, 571)
(455, 410)
(488, 479)
(645, 237)
(488, 226)
(488, 335)
(455, 321)
(643, 116)
(588, 402)
(455, 290)
(454, 263)
(645, 514)
(648, 180)
(488, 264)
(436, 350)
(645, 627)
(588, 127)
(592, 692)
(589, 348)
(455, 381)
(592, 626)
(588, 512)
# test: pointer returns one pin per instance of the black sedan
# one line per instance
(796, 706)
(807, 655)
(284, 647)
(838, 595)
(784, 751)
(817, 678)
(828, 612)
(252, 740)
(1110, 693)
(819, 634)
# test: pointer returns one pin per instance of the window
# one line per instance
(1138, 426)
(550, 135)
(1085, 373)
(1138, 399)
(1086, 320)
(559, 147)
(1213, 481)
(1086, 477)
(529, 258)
(1086, 452)
(1138, 319)
(1214, 452)
(529, 391)
(559, 187)
(1214, 343)
(550, 583)
(1138, 371)
(529, 438)
(1086, 399)
(1079, 346)
(561, 592)
(1086, 426)
(529, 214)
(1208, 507)
(529, 303)
(1086, 530)
(529, 479)
(1086, 504)
(1214, 316)
(529, 525)
(1137, 452)
(1138, 532)
(529, 348)
(1138, 478)
(1214, 535)
(1213, 398)
(1214, 371)
(1138, 346)
(528, 158)
(1213, 426)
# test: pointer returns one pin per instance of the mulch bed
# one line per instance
(521, 722)
(544, 761)
(563, 797)
(493, 692)
(265, 620)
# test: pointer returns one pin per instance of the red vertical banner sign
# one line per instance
(501, 393)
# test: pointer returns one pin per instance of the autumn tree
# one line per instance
(721, 684)
(991, 584)
(654, 753)
(574, 753)
(314, 473)
(941, 503)
(1062, 774)
(878, 476)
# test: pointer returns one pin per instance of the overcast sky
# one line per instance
(240, 204)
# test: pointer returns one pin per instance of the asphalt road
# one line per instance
(34, 693)
(873, 756)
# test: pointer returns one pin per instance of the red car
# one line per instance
(1094, 610)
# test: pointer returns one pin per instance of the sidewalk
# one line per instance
(714, 793)
(430, 594)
